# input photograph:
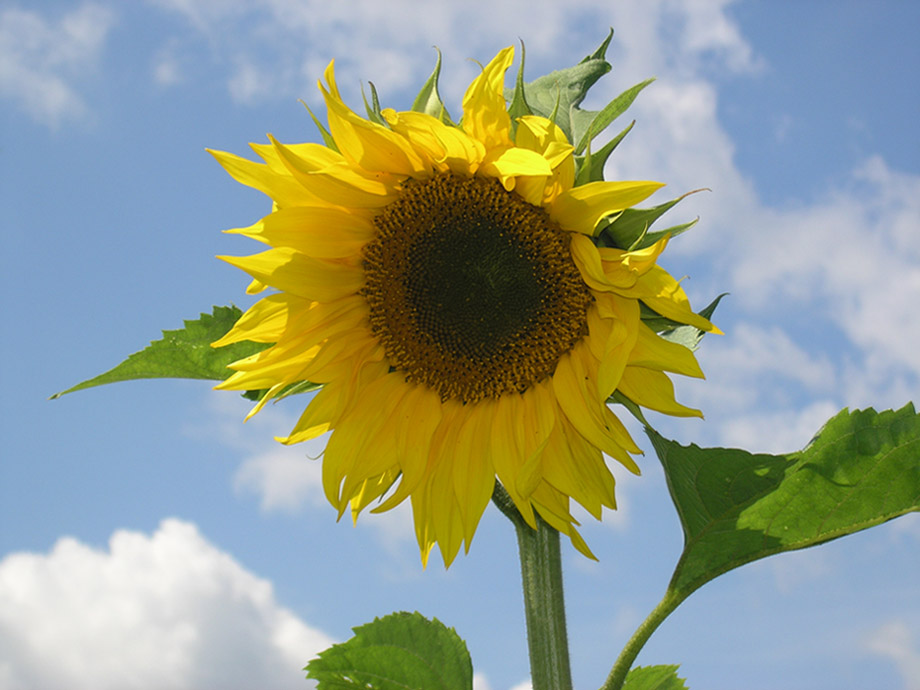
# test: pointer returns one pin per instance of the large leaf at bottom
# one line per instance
(184, 354)
(402, 651)
(860, 470)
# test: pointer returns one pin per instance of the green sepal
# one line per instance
(664, 326)
(402, 651)
(324, 133)
(568, 88)
(518, 106)
(629, 229)
(690, 336)
(654, 678)
(594, 123)
(374, 113)
(860, 470)
(429, 100)
(185, 353)
(632, 408)
(590, 167)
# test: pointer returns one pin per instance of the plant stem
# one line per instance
(544, 606)
(625, 661)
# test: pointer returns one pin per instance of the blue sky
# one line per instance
(150, 539)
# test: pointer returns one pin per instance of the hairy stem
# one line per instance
(625, 661)
(544, 607)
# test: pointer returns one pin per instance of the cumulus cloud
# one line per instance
(169, 610)
(42, 61)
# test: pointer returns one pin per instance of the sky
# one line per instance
(150, 539)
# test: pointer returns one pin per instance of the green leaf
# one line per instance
(185, 354)
(402, 651)
(629, 229)
(860, 470)
(568, 88)
(654, 678)
(429, 99)
(593, 123)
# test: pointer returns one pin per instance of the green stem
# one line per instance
(625, 661)
(544, 606)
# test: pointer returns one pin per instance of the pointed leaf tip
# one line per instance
(184, 353)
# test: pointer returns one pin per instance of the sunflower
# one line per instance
(442, 284)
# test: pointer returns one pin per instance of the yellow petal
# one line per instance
(350, 453)
(659, 290)
(623, 268)
(579, 400)
(318, 155)
(448, 148)
(370, 490)
(339, 184)
(538, 422)
(654, 352)
(612, 333)
(507, 164)
(588, 260)
(581, 208)
(317, 231)
(283, 189)
(367, 144)
(485, 116)
(419, 417)
(263, 322)
(507, 449)
(654, 390)
(473, 472)
(290, 271)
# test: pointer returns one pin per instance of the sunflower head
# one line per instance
(468, 298)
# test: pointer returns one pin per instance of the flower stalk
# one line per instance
(544, 602)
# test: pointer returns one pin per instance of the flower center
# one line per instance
(472, 291)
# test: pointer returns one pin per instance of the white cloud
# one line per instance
(370, 41)
(284, 477)
(855, 253)
(169, 610)
(41, 61)
(895, 640)
(775, 431)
